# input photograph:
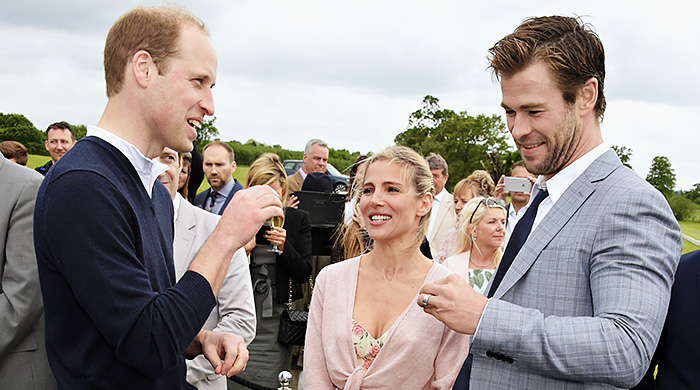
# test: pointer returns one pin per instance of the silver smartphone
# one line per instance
(516, 184)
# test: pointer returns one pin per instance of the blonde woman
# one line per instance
(479, 183)
(271, 274)
(479, 242)
(364, 330)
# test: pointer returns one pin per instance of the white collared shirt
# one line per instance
(176, 205)
(437, 201)
(147, 169)
(561, 181)
(513, 218)
(556, 186)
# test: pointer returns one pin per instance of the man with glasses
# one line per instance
(579, 302)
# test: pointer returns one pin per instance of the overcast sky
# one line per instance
(352, 72)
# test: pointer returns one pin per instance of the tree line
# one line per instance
(466, 142)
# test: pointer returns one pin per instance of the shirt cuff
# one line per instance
(481, 317)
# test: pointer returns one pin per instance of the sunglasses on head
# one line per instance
(489, 202)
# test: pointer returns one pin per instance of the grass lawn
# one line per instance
(691, 228)
(36, 161)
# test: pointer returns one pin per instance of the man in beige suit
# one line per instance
(23, 363)
(315, 160)
(235, 307)
(442, 216)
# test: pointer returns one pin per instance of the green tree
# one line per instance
(661, 176)
(466, 142)
(624, 153)
(206, 132)
(80, 131)
(694, 193)
(682, 207)
(16, 127)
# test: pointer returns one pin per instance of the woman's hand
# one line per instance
(277, 236)
(249, 246)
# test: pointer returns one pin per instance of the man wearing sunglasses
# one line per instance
(580, 296)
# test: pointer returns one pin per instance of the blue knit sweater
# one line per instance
(115, 318)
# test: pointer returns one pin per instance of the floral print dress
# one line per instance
(366, 347)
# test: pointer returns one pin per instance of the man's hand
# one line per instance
(499, 193)
(454, 302)
(243, 217)
(216, 346)
(246, 213)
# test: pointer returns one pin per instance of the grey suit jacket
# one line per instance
(23, 363)
(235, 309)
(583, 304)
(446, 219)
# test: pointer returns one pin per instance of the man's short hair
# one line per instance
(224, 145)
(570, 48)
(62, 125)
(435, 161)
(520, 163)
(153, 29)
(14, 150)
(311, 143)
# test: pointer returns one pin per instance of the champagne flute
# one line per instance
(278, 222)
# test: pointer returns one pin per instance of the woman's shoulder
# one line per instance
(457, 260)
(438, 271)
(340, 271)
(292, 213)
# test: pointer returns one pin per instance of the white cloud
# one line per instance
(352, 72)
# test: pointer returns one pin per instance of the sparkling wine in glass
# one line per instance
(277, 222)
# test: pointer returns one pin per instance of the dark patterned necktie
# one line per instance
(516, 240)
(212, 200)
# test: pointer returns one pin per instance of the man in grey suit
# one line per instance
(23, 363)
(235, 307)
(584, 299)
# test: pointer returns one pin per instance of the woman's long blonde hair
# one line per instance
(267, 169)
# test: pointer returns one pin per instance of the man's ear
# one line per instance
(589, 95)
(233, 165)
(143, 68)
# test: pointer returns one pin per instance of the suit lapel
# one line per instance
(184, 236)
(570, 202)
(203, 200)
(444, 208)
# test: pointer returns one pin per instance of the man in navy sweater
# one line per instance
(115, 318)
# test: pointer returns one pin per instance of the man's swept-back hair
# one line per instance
(436, 161)
(570, 48)
(312, 142)
(224, 145)
(153, 29)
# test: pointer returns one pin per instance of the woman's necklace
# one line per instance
(477, 264)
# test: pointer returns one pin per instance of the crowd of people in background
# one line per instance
(117, 273)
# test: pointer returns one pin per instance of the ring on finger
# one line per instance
(425, 300)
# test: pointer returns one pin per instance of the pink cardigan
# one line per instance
(420, 352)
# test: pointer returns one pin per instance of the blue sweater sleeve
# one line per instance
(92, 238)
